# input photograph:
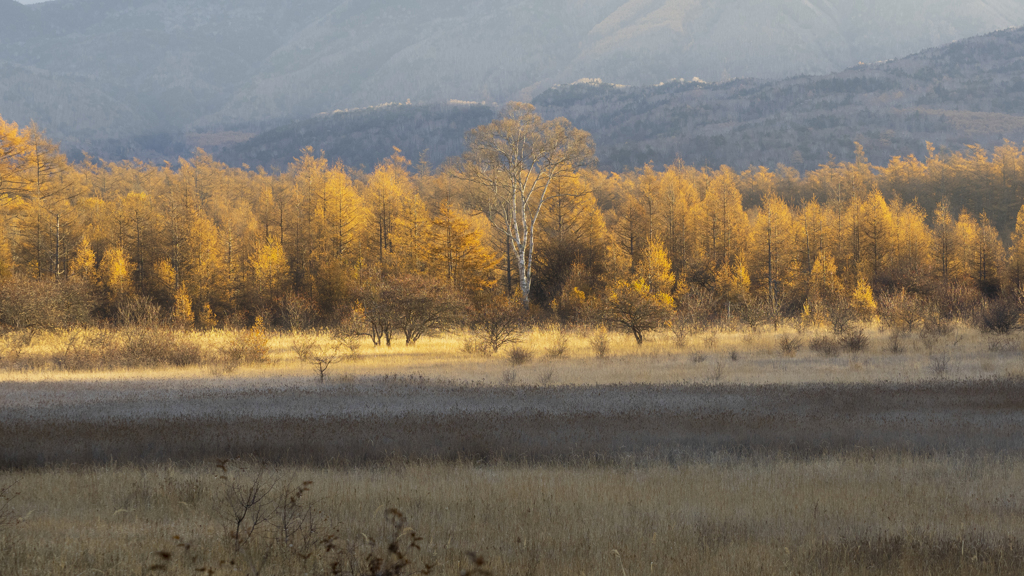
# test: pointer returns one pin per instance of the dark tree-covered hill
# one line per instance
(968, 92)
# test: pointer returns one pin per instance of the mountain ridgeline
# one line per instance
(124, 78)
(969, 92)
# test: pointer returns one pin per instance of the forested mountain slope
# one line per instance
(129, 77)
(969, 92)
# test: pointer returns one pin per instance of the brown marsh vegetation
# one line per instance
(672, 458)
(841, 514)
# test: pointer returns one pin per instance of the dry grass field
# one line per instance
(554, 358)
(883, 514)
(727, 455)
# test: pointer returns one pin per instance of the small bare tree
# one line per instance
(324, 348)
(901, 311)
(499, 321)
(423, 306)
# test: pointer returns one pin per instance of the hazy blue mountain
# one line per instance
(964, 93)
(362, 138)
(123, 75)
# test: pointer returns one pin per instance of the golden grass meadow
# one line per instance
(572, 453)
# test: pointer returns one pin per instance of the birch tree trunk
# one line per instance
(514, 161)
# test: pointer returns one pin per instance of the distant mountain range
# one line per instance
(969, 92)
(135, 77)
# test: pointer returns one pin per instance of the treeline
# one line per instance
(210, 244)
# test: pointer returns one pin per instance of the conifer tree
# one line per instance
(1015, 261)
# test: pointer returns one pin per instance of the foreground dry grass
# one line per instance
(888, 514)
(725, 456)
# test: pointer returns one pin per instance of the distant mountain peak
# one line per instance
(133, 70)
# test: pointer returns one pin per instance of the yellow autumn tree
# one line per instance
(1015, 261)
(116, 274)
(827, 301)
(877, 235)
(987, 257)
(83, 265)
(774, 258)
(388, 189)
(14, 159)
(643, 302)
(456, 252)
(655, 269)
(570, 230)
(863, 301)
(911, 263)
(182, 315)
(165, 281)
(268, 273)
(723, 227)
(946, 245)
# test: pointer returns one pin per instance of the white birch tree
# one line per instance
(514, 161)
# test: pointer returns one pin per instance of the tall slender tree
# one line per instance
(514, 161)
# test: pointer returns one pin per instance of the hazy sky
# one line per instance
(31, 1)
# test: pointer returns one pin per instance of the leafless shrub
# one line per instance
(896, 342)
(500, 321)
(956, 301)
(1004, 346)
(297, 312)
(790, 344)
(698, 358)
(414, 304)
(734, 355)
(710, 340)
(1000, 316)
(323, 348)
(155, 345)
(854, 340)
(475, 346)
(263, 516)
(423, 306)
(901, 311)
(30, 305)
(696, 311)
(137, 311)
(13, 344)
(376, 307)
(559, 346)
(85, 349)
(717, 371)
(761, 311)
(302, 345)
(940, 364)
(519, 355)
(840, 313)
(935, 325)
(825, 345)
(271, 523)
(246, 346)
(682, 339)
(509, 377)
(599, 343)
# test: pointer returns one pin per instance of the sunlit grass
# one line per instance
(735, 356)
(887, 513)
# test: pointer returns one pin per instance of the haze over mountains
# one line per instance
(125, 78)
(969, 92)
